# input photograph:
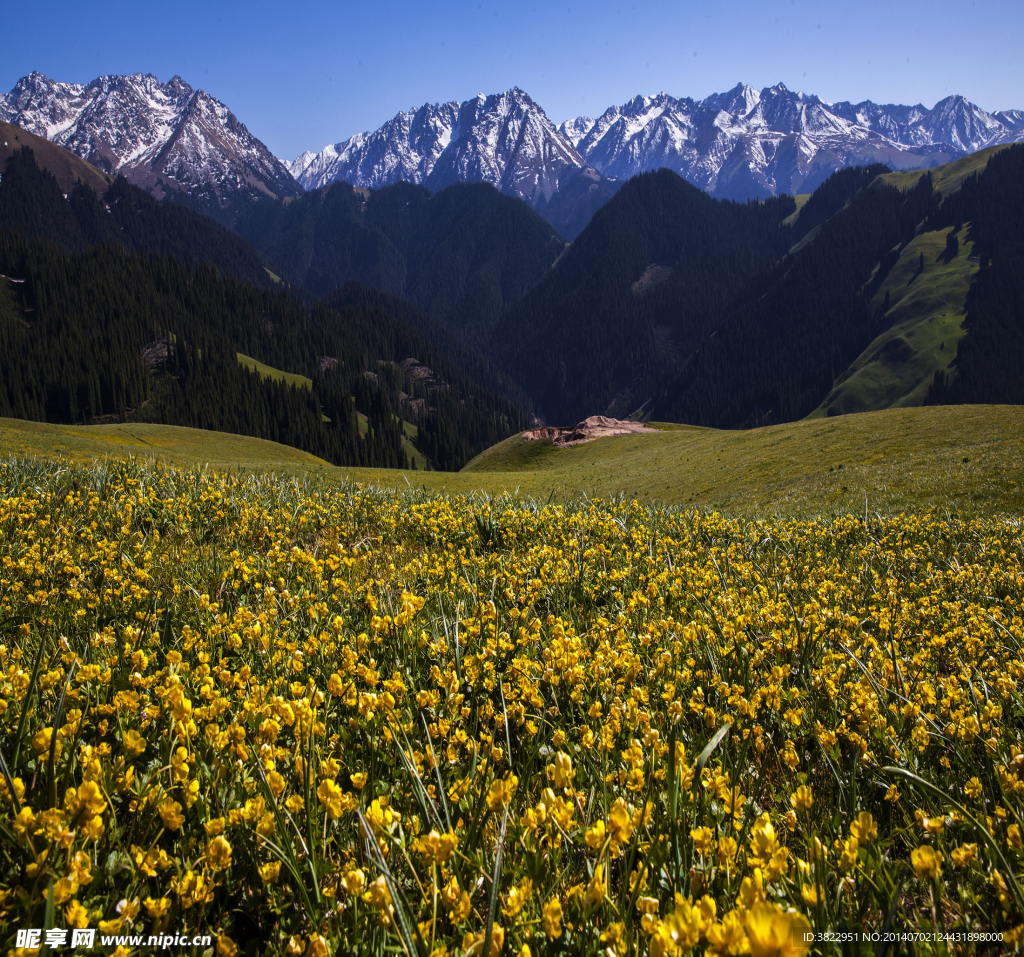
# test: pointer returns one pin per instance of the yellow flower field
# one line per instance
(313, 719)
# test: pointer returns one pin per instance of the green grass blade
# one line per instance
(10, 785)
(398, 898)
(25, 705)
(883, 945)
(437, 772)
(720, 735)
(492, 906)
(50, 776)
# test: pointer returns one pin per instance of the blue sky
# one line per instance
(305, 75)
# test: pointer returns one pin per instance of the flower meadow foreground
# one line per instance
(254, 715)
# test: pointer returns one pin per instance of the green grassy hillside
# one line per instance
(968, 457)
(801, 202)
(170, 443)
(946, 178)
(971, 456)
(269, 372)
(925, 319)
(923, 310)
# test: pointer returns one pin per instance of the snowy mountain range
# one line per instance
(742, 144)
(161, 136)
(748, 143)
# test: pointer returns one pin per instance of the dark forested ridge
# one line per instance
(777, 349)
(989, 209)
(832, 195)
(105, 334)
(633, 294)
(33, 202)
(454, 355)
(461, 255)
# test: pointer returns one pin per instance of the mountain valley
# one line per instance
(431, 308)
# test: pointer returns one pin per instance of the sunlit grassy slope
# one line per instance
(926, 309)
(269, 372)
(969, 457)
(925, 319)
(946, 178)
(801, 202)
(65, 165)
(170, 443)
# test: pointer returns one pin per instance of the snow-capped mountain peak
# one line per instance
(164, 136)
(299, 164)
(504, 139)
(575, 130)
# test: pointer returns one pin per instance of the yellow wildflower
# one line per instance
(927, 863)
(774, 932)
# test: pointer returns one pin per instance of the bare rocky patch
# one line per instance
(594, 427)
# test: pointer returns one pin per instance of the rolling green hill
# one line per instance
(969, 458)
(900, 458)
(174, 444)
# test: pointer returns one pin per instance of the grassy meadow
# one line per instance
(966, 457)
(304, 716)
(170, 444)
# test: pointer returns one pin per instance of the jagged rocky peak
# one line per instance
(163, 136)
(405, 149)
(738, 101)
(505, 139)
(575, 130)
